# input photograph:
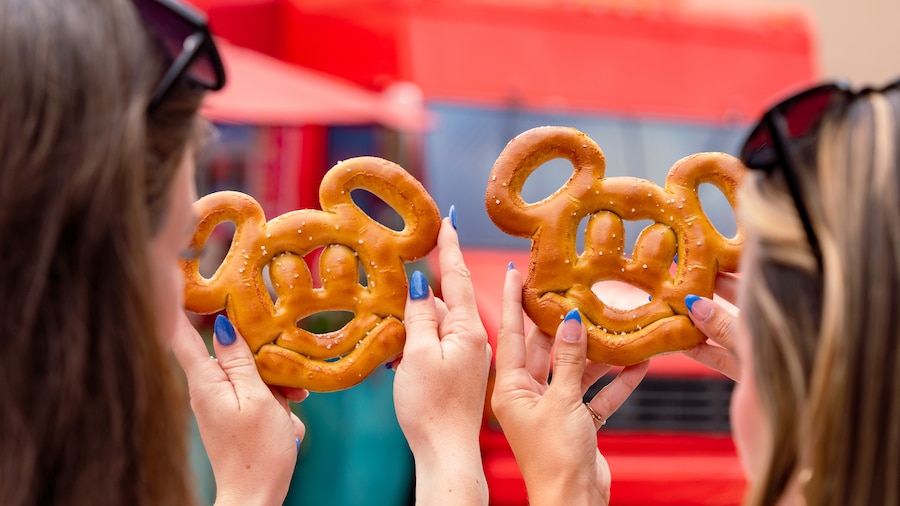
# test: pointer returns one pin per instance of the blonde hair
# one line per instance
(826, 345)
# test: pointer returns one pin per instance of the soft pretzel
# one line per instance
(559, 279)
(353, 247)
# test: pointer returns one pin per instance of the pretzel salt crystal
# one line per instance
(350, 240)
(559, 279)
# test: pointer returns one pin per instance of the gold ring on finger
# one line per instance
(596, 416)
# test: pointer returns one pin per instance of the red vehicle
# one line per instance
(649, 81)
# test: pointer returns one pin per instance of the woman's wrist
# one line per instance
(252, 496)
(450, 473)
(553, 488)
(555, 497)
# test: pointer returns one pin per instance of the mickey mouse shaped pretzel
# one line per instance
(560, 279)
(351, 243)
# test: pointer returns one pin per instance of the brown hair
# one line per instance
(91, 411)
(827, 345)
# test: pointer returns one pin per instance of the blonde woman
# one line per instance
(815, 348)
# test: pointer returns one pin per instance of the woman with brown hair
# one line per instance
(98, 133)
(99, 125)
(816, 346)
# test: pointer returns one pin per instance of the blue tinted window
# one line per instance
(466, 141)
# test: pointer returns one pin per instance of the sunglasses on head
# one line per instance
(184, 37)
(790, 125)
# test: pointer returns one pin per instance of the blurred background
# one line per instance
(854, 39)
(440, 87)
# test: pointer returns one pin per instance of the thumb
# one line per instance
(234, 356)
(713, 320)
(569, 357)
(419, 317)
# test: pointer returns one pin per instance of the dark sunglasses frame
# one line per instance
(772, 143)
(197, 45)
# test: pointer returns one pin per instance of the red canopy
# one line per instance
(263, 90)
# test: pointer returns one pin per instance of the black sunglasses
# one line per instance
(184, 37)
(790, 125)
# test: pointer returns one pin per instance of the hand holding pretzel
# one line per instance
(559, 279)
(352, 245)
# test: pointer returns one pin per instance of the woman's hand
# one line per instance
(552, 433)
(717, 323)
(440, 384)
(250, 434)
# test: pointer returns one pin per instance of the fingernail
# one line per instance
(418, 286)
(699, 307)
(224, 331)
(571, 331)
(298, 443)
(650, 298)
(453, 216)
(510, 267)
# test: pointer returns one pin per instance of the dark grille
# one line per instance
(673, 404)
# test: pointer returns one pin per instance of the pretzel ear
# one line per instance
(723, 172)
(520, 158)
(392, 184)
(208, 295)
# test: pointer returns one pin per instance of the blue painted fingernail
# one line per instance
(453, 216)
(510, 266)
(573, 315)
(224, 331)
(571, 327)
(689, 301)
(650, 298)
(298, 443)
(418, 286)
(700, 309)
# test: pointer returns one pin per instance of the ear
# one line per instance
(398, 189)
(208, 295)
(725, 172)
(520, 158)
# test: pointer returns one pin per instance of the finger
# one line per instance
(713, 320)
(235, 358)
(295, 394)
(569, 356)
(610, 398)
(191, 353)
(456, 280)
(420, 316)
(717, 358)
(393, 364)
(510, 339)
(727, 285)
(537, 354)
(457, 313)
(280, 397)
(299, 429)
(441, 310)
(292, 394)
(593, 371)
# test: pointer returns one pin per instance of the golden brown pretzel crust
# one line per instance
(287, 355)
(559, 279)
